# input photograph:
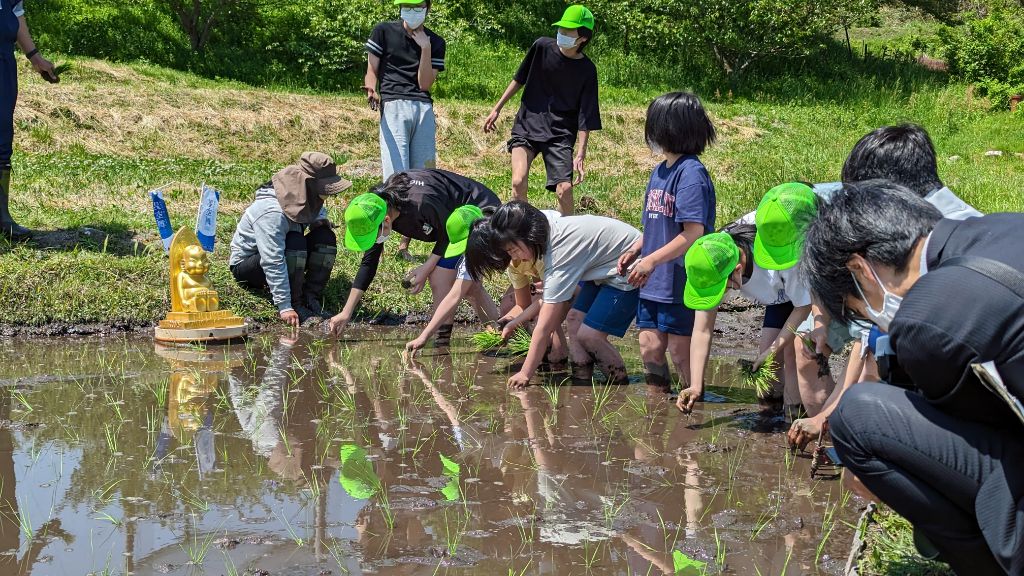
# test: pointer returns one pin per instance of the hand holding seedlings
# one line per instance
(804, 431)
(688, 397)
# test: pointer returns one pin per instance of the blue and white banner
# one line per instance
(206, 223)
(163, 220)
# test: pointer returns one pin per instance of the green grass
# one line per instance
(88, 150)
(890, 549)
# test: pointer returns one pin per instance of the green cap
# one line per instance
(407, 2)
(576, 16)
(709, 263)
(458, 226)
(357, 476)
(363, 218)
(782, 217)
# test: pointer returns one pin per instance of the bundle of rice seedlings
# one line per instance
(486, 339)
(824, 369)
(761, 380)
(519, 343)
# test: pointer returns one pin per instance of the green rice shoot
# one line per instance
(519, 343)
(486, 340)
(763, 379)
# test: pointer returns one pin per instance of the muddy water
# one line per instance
(322, 457)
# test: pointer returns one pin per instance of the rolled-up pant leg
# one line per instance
(959, 482)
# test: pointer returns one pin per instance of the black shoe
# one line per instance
(15, 232)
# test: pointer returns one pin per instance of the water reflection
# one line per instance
(300, 455)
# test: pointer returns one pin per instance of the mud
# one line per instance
(314, 456)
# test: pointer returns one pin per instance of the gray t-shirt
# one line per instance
(584, 248)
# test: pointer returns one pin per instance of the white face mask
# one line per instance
(414, 17)
(382, 238)
(564, 41)
(890, 303)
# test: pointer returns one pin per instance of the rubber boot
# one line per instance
(296, 260)
(319, 265)
(8, 227)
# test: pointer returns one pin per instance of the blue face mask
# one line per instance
(564, 41)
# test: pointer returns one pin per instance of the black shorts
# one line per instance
(557, 157)
(775, 315)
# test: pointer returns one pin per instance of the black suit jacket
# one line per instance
(954, 316)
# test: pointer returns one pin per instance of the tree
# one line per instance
(198, 17)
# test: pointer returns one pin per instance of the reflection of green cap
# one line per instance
(709, 262)
(452, 471)
(576, 16)
(782, 216)
(357, 476)
(458, 226)
(363, 218)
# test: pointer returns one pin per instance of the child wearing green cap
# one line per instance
(463, 222)
(559, 108)
(416, 204)
(725, 260)
(679, 207)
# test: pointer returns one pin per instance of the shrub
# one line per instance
(988, 51)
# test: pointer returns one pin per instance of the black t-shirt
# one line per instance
(559, 94)
(433, 196)
(400, 61)
(954, 317)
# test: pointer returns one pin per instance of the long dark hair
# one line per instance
(487, 249)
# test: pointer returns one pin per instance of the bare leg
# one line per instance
(482, 302)
(607, 356)
(583, 363)
(679, 348)
(559, 352)
(565, 202)
(521, 160)
(653, 344)
(768, 335)
(810, 384)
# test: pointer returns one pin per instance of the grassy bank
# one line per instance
(88, 150)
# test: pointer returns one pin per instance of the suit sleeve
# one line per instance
(935, 360)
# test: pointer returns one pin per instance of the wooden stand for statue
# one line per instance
(195, 307)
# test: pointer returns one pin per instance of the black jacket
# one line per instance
(953, 317)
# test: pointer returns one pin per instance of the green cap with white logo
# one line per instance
(363, 218)
(458, 226)
(576, 16)
(709, 263)
(781, 219)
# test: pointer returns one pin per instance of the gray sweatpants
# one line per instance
(408, 136)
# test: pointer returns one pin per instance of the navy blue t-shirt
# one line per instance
(682, 193)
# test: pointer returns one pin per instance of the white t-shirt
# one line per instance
(584, 248)
(769, 287)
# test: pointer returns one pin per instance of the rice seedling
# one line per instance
(197, 549)
(486, 340)
(19, 397)
(519, 343)
(761, 380)
(299, 541)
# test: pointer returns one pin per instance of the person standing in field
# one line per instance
(13, 29)
(679, 207)
(403, 59)
(559, 108)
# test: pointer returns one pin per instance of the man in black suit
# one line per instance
(943, 451)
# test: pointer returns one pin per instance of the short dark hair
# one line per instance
(904, 154)
(587, 33)
(677, 123)
(395, 190)
(743, 235)
(878, 219)
(515, 221)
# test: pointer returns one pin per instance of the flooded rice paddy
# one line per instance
(313, 456)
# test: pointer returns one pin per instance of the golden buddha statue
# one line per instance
(195, 307)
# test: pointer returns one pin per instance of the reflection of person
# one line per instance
(416, 204)
(13, 29)
(571, 250)
(560, 105)
(284, 241)
(946, 453)
(405, 57)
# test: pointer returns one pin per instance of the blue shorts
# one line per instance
(608, 309)
(674, 319)
(775, 315)
(449, 263)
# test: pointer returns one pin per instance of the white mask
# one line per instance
(890, 303)
(564, 41)
(414, 17)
